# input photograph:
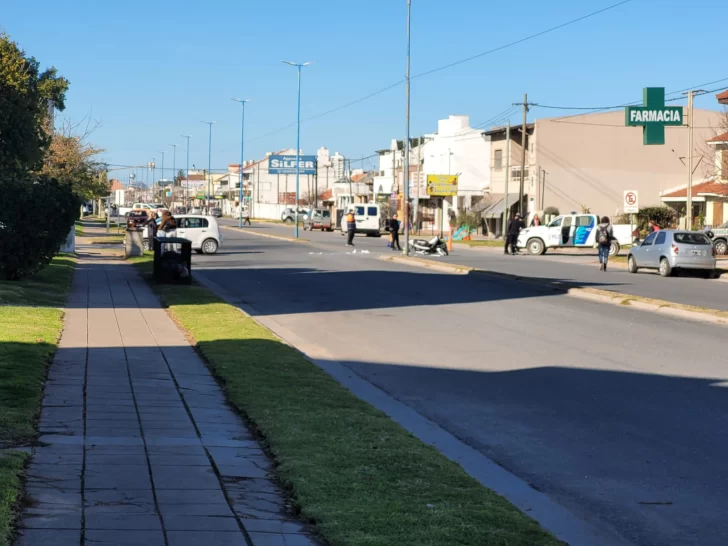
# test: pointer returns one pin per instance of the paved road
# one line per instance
(688, 289)
(618, 415)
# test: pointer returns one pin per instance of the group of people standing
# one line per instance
(166, 228)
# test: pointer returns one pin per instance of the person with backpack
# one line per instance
(604, 241)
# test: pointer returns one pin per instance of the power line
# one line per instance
(521, 40)
(449, 65)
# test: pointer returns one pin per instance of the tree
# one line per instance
(72, 160)
(25, 95)
(180, 177)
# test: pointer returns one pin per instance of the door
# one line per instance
(360, 215)
(372, 218)
(554, 231)
(644, 254)
(585, 224)
(195, 230)
(717, 213)
(567, 231)
(659, 249)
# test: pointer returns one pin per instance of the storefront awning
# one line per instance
(494, 209)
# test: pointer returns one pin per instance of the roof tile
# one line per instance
(719, 188)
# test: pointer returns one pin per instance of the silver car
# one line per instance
(667, 250)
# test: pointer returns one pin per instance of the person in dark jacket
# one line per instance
(604, 240)
(350, 228)
(514, 228)
(394, 231)
(151, 224)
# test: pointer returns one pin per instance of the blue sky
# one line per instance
(151, 70)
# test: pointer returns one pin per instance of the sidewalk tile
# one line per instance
(127, 522)
(125, 538)
(268, 539)
(44, 537)
(201, 523)
(198, 538)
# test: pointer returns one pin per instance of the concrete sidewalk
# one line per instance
(138, 446)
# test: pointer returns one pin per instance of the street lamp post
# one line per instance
(689, 201)
(209, 165)
(242, 158)
(405, 206)
(174, 167)
(187, 180)
(298, 133)
(160, 180)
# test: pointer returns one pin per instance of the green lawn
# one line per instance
(482, 242)
(361, 478)
(30, 325)
(79, 229)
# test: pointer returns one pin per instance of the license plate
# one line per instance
(698, 253)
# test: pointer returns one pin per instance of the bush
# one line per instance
(664, 216)
(469, 219)
(35, 219)
(551, 211)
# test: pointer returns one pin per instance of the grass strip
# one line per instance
(11, 468)
(360, 477)
(30, 325)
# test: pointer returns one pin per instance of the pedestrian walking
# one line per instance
(246, 217)
(350, 228)
(514, 228)
(604, 241)
(394, 231)
(536, 221)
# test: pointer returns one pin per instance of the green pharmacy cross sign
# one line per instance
(653, 116)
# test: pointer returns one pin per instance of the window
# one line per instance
(498, 160)
(326, 214)
(650, 239)
(557, 222)
(372, 211)
(691, 239)
(661, 236)
(360, 211)
(584, 221)
(516, 173)
(194, 223)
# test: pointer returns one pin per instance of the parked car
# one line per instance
(216, 212)
(203, 231)
(368, 219)
(318, 219)
(136, 218)
(289, 215)
(719, 235)
(667, 250)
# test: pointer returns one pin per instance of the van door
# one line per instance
(554, 232)
(567, 231)
(360, 216)
(372, 218)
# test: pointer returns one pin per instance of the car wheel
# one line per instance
(614, 248)
(710, 274)
(535, 247)
(198, 250)
(632, 265)
(721, 247)
(288, 220)
(209, 246)
(665, 268)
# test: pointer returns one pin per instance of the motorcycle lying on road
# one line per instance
(434, 246)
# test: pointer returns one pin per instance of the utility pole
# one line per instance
(405, 201)
(209, 165)
(161, 193)
(525, 105)
(543, 190)
(691, 126)
(187, 180)
(504, 227)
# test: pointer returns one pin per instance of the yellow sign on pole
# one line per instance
(442, 185)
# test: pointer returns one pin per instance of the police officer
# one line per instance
(350, 227)
(514, 228)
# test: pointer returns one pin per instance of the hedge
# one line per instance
(35, 219)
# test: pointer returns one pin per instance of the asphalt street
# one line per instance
(616, 414)
(686, 289)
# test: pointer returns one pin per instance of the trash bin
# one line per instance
(134, 242)
(172, 260)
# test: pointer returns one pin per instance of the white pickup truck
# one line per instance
(123, 211)
(572, 230)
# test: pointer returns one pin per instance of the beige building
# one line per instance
(587, 161)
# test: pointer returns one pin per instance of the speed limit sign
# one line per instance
(631, 202)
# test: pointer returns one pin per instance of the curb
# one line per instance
(675, 310)
(279, 237)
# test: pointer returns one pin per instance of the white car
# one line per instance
(203, 231)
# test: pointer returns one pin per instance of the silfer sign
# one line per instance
(286, 164)
(654, 116)
(442, 185)
(631, 202)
